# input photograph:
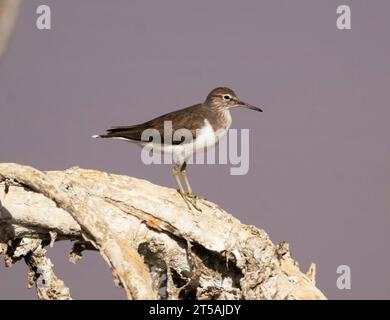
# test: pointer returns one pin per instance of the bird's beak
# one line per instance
(243, 104)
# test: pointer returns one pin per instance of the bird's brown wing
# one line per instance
(191, 119)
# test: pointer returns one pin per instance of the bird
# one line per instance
(206, 124)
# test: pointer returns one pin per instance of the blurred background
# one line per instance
(319, 173)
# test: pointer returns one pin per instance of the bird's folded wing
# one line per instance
(184, 123)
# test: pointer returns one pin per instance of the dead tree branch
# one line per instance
(155, 245)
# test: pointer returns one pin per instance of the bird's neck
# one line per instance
(224, 116)
(228, 118)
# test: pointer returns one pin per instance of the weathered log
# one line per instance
(156, 246)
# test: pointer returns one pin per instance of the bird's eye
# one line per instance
(226, 97)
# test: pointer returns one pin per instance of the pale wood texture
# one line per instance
(156, 246)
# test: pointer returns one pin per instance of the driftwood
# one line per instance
(157, 247)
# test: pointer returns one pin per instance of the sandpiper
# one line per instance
(206, 122)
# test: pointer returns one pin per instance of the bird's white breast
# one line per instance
(206, 137)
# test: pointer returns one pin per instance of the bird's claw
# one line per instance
(190, 199)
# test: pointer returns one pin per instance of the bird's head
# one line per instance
(225, 98)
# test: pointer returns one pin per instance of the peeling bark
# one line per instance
(156, 246)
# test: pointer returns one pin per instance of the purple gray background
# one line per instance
(320, 153)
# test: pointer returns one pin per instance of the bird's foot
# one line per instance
(198, 197)
(190, 199)
(195, 197)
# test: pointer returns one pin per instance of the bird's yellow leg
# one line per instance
(191, 197)
(175, 173)
(186, 182)
(188, 196)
